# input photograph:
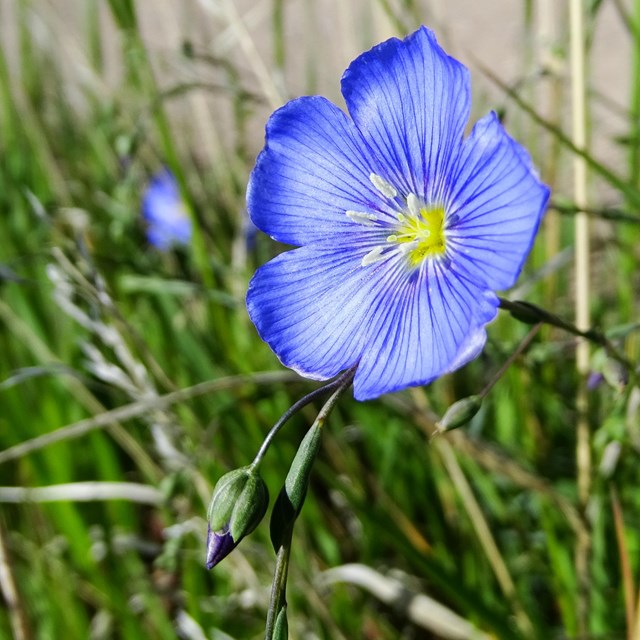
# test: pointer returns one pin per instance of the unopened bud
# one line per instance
(240, 499)
(615, 374)
(610, 458)
(606, 368)
(525, 311)
(292, 495)
(459, 413)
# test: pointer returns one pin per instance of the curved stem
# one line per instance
(526, 341)
(279, 586)
(342, 381)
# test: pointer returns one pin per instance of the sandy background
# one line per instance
(321, 37)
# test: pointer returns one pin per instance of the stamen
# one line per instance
(361, 217)
(375, 255)
(392, 238)
(386, 189)
(413, 204)
(406, 247)
(400, 217)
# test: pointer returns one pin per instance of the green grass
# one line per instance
(483, 520)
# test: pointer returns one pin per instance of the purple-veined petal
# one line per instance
(312, 305)
(313, 169)
(411, 102)
(497, 202)
(424, 326)
(369, 285)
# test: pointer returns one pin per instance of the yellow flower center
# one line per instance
(418, 233)
(425, 233)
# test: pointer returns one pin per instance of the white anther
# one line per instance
(386, 189)
(400, 217)
(367, 219)
(406, 247)
(413, 204)
(392, 238)
(375, 255)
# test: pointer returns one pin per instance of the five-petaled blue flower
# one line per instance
(404, 227)
(164, 211)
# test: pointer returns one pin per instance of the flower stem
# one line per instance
(532, 314)
(279, 586)
(526, 341)
(278, 602)
(345, 379)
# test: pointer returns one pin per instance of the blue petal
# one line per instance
(160, 196)
(163, 235)
(424, 326)
(312, 170)
(497, 202)
(321, 313)
(317, 307)
(159, 238)
(313, 306)
(411, 102)
(163, 209)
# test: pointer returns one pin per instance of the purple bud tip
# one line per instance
(219, 545)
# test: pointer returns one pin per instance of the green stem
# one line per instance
(338, 383)
(532, 314)
(279, 586)
(608, 213)
(301, 473)
(526, 341)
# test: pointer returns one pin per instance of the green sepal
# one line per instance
(281, 627)
(239, 502)
(224, 498)
(250, 507)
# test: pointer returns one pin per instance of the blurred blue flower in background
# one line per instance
(404, 227)
(168, 222)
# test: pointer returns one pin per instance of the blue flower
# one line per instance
(164, 211)
(404, 227)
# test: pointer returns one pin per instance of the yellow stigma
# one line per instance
(416, 233)
(424, 233)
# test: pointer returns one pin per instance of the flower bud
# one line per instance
(292, 495)
(530, 313)
(606, 368)
(240, 499)
(615, 374)
(459, 413)
(281, 627)
(610, 458)
(524, 311)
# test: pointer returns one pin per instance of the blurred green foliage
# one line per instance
(484, 519)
